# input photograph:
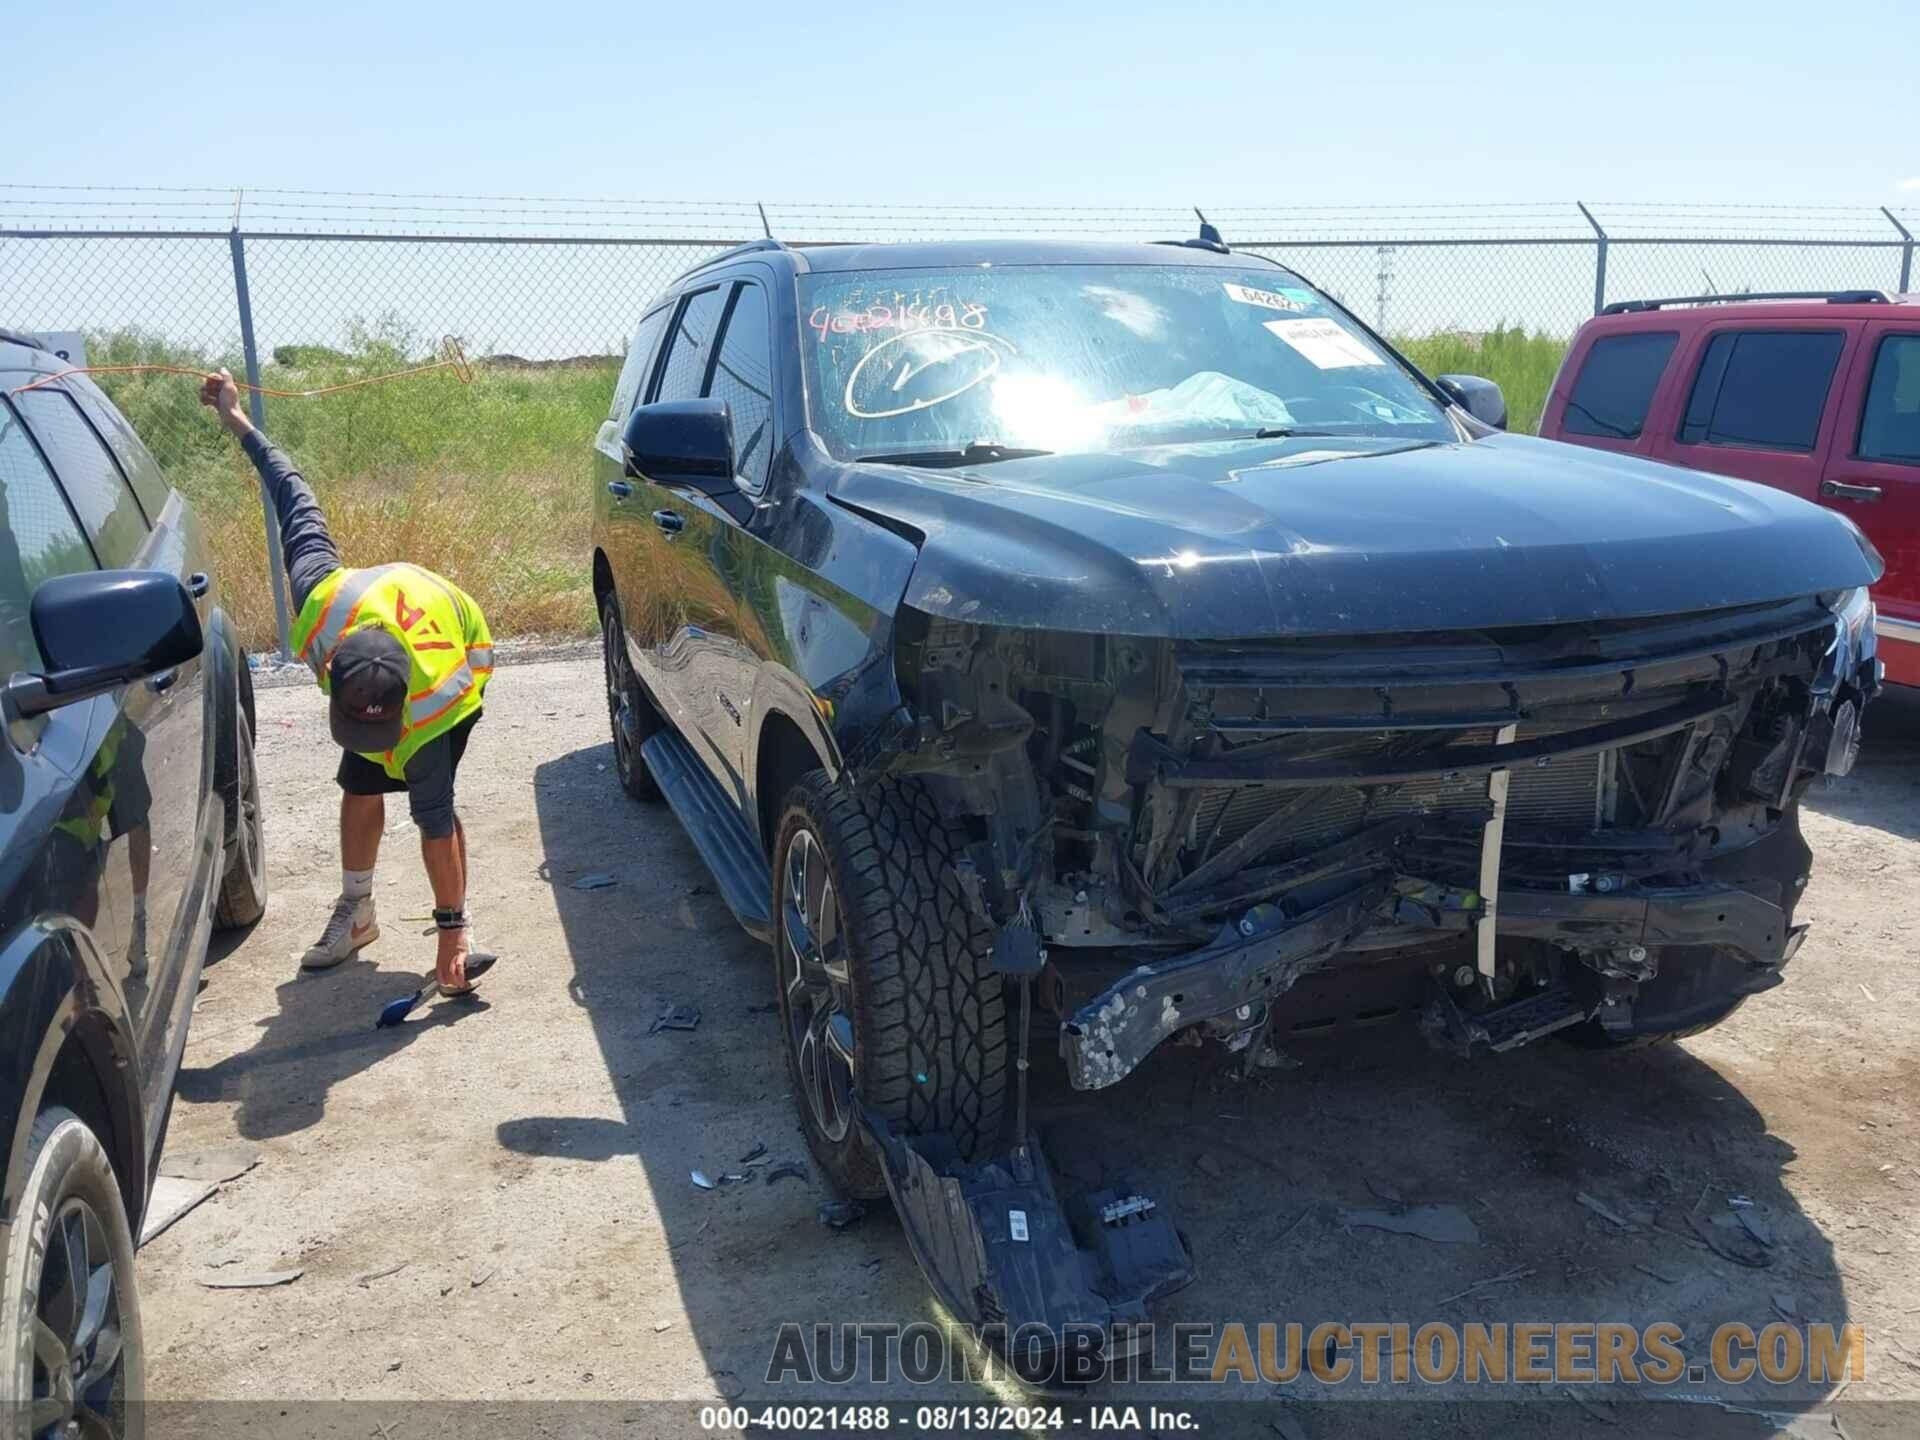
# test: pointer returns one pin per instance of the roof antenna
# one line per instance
(763, 219)
(1209, 232)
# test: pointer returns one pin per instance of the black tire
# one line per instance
(926, 1015)
(1593, 1036)
(70, 1219)
(629, 712)
(243, 888)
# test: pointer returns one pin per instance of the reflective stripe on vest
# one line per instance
(428, 705)
(448, 645)
(338, 615)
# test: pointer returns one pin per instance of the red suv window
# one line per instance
(1616, 384)
(1762, 389)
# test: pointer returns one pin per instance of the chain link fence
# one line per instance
(303, 290)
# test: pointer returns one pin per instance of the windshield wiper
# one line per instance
(974, 452)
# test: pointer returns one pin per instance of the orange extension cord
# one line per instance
(452, 358)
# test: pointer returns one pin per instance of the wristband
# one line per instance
(450, 919)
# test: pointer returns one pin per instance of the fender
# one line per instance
(54, 983)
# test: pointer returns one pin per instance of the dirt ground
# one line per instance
(525, 1160)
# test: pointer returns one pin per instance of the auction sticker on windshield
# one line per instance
(1271, 299)
(1324, 343)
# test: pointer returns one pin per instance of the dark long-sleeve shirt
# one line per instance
(305, 542)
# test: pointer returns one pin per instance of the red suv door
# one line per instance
(1873, 477)
(1760, 400)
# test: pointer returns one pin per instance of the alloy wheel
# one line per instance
(619, 688)
(819, 986)
(79, 1360)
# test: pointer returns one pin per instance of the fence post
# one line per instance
(257, 410)
(1599, 260)
(1906, 250)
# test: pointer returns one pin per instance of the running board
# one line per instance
(717, 830)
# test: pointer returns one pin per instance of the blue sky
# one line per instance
(1353, 102)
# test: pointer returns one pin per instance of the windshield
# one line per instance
(1091, 358)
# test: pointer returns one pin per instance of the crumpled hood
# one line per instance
(1348, 536)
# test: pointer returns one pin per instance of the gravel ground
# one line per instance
(524, 1160)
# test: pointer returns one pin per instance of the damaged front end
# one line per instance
(1500, 833)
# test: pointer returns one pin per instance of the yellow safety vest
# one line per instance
(440, 624)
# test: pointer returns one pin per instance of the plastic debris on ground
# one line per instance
(759, 1149)
(172, 1197)
(676, 1017)
(839, 1214)
(251, 1279)
(786, 1170)
(217, 1165)
(1442, 1224)
(595, 882)
(700, 1179)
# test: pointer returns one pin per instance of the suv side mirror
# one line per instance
(682, 445)
(100, 629)
(1478, 397)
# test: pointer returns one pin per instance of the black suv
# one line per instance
(1131, 625)
(129, 826)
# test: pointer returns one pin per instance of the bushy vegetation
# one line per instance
(487, 480)
(1522, 362)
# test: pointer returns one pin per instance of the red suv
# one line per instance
(1816, 394)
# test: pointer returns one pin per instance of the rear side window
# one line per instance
(634, 373)
(743, 377)
(692, 344)
(38, 540)
(100, 493)
(1616, 385)
(143, 472)
(1890, 420)
(1762, 390)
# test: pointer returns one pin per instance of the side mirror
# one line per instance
(682, 445)
(1479, 398)
(100, 629)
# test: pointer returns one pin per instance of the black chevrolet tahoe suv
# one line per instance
(1129, 631)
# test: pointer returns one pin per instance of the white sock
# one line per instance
(356, 884)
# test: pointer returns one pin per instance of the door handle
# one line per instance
(1836, 490)
(619, 489)
(670, 521)
(163, 682)
(198, 583)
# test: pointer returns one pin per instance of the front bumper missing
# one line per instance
(1246, 966)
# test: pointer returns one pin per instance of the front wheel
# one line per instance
(632, 715)
(243, 888)
(886, 997)
(69, 1312)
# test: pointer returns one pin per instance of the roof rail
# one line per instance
(750, 248)
(1831, 297)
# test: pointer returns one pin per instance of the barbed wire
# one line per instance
(265, 209)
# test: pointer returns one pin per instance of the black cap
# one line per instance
(368, 683)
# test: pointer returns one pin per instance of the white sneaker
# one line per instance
(351, 925)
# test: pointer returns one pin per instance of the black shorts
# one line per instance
(429, 786)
